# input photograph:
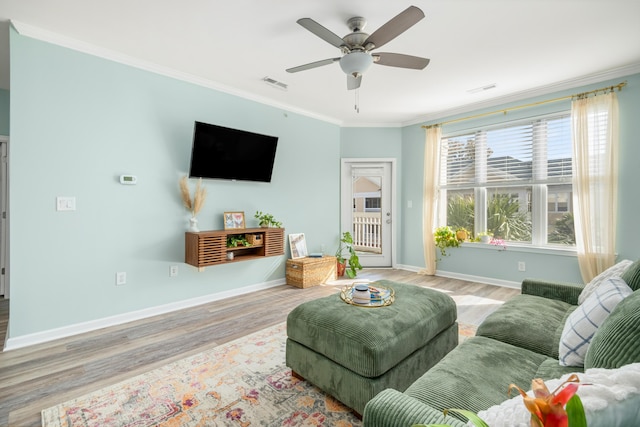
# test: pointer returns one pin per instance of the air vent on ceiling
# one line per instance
(482, 88)
(275, 83)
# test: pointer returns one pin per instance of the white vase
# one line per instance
(193, 224)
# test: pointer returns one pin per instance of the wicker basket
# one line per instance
(307, 272)
(254, 239)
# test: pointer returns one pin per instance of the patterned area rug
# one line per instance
(241, 383)
(465, 331)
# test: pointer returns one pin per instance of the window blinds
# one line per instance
(530, 152)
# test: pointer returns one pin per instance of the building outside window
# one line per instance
(372, 204)
(512, 180)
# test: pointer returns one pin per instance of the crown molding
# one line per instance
(371, 125)
(586, 80)
(34, 32)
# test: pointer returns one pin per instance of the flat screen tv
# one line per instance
(223, 153)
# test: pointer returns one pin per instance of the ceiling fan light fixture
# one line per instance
(355, 63)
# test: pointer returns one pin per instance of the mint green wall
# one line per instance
(77, 123)
(371, 142)
(4, 112)
(502, 265)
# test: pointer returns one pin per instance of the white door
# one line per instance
(367, 209)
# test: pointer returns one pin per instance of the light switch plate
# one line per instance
(65, 203)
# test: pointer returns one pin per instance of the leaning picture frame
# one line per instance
(298, 246)
(233, 220)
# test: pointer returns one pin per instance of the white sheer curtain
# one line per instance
(595, 189)
(430, 197)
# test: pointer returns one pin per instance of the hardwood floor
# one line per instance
(40, 376)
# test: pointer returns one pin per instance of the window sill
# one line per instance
(519, 247)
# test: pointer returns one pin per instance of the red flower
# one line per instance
(547, 409)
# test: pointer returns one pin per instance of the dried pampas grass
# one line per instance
(194, 205)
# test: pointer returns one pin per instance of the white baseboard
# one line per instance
(409, 268)
(467, 277)
(479, 279)
(92, 325)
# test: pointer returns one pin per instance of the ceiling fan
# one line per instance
(357, 46)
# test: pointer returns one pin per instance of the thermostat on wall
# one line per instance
(128, 179)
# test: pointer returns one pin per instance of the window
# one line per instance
(512, 180)
(372, 204)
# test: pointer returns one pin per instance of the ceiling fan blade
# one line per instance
(353, 82)
(400, 60)
(396, 26)
(321, 32)
(312, 65)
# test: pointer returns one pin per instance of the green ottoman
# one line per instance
(353, 353)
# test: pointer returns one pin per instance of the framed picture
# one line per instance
(233, 220)
(298, 245)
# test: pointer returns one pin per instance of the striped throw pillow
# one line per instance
(583, 323)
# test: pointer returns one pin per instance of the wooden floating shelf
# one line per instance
(206, 248)
(240, 248)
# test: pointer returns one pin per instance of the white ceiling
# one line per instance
(521, 46)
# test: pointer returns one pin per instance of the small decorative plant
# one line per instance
(462, 234)
(235, 240)
(561, 408)
(500, 243)
(346, 242)
(194, 205)
(484, 237)
(548, 409)
(267, 220)
(445, 237)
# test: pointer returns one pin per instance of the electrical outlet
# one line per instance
(173, 271)
(521, 266)
(121, 278)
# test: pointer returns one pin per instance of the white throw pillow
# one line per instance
(611, 399)
(613, 271)
(583, 323)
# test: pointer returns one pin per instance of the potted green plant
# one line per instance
(445, 237)
(235, 240)
(346, 242)
(267, 220)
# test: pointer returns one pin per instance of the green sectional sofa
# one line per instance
(517, 343)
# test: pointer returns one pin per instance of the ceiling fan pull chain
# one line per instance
(357, 101)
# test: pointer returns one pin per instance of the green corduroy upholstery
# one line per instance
(632, 276)
(562, 291)
(355, 390)
(391, 408)
(550, 369)
(543, 320)
(476, 375)
(617, 341)
(353, 353)
(515, 344)
(370, 341)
